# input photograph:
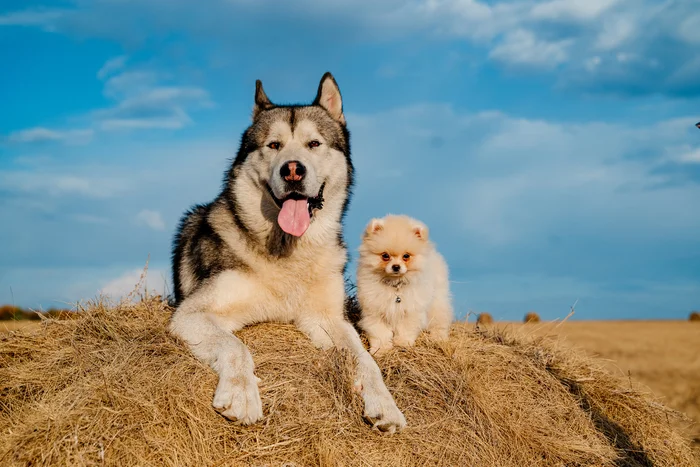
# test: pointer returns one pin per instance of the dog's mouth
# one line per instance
(296, 210)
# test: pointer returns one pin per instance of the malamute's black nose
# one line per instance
(293, 171)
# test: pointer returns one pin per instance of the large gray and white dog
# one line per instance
(270, 248)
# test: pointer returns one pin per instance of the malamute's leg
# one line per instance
(327, 325)
(380, 408)
(236, 396)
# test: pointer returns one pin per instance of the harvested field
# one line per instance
(112, 387)
(11, 325)
(663, 355)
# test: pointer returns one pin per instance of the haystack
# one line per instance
(532, 317)
(694, 316)
(113, 388)
(484, 318)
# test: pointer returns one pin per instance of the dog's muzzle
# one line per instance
(296, 210)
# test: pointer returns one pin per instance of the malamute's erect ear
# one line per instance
(261, 100)
(328, 97)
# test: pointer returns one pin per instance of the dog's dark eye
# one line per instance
(314, 144)
(274, 145)
(406, 257)
(386, 257)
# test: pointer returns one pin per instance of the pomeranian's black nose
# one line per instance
(293, 171)
(396, 268)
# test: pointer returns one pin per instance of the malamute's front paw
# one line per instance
(239, 399)
(382, 413)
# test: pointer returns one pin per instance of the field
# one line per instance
(663, 355)
(10, 325)
(112, 387)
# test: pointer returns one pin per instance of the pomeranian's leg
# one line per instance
(408, 329)
(440, 314)
(440, 319)
(378, 332)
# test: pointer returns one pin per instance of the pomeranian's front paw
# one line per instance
(380, 350)
(404, 342)
(439, 335)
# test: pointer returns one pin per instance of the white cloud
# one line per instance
(641, 28)
(689, 29)
(690, 156)
(521, 47)
(571, 9)
(131, 283)
(591, 64)
(60, 184)
(32, 17)
(509, 182)
(111, 66)
(130, 82)
(142, 102)
(615, 32)
(151, 219)
(90, 219)
(177, 120)
(40, 134)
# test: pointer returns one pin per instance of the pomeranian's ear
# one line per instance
(374, 226)
(420, 231)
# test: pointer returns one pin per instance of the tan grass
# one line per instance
(112, 387)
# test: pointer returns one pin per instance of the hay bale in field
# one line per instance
(694, 316)
(532, 317)
(8, 312)
(484, 318)
(113, 387)
(56, 313)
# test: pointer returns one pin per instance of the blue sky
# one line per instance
(550, 145)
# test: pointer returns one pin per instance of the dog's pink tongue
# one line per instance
(294, 217)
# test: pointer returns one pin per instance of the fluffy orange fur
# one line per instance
(402, 284)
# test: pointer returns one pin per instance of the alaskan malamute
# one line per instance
(270, 248)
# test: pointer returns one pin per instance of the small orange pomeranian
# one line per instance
(402, 284)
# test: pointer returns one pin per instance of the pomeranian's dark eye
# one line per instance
(274, 145)
(386, 257)
(314, 144)
(406, 257)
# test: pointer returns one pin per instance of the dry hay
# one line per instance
(532, 317)
(694, 316)
(112, 387)
(484, 318)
